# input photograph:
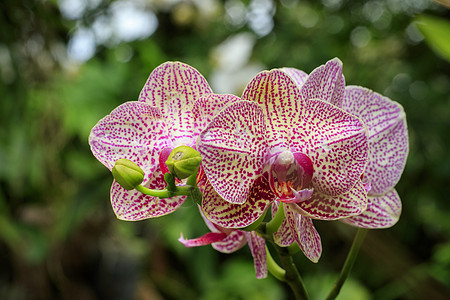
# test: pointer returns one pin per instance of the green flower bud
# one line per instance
(183, 161)
(128, 174)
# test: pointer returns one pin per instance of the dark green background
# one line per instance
(59, 238)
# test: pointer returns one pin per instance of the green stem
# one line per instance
(165, 193)
(293, 248)
(292, 277)
(274, 269)
(349, 262)
(273, 225)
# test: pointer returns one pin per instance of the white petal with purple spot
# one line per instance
(135, 131)
(382, 212)
(258, 249)
(335, 141)
(230, 215)
(388, 136)
(173, 87)
(297, 75)
(279, 98)
(232, 149)
(304, 233)
(324, 207)
(325, 83)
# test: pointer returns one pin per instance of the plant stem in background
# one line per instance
(349, 262)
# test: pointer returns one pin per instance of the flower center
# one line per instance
(290, 172)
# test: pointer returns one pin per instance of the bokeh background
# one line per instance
(65, 64)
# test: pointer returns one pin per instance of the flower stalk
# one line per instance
(130, 176)
(274, 269)
(349, 262)
(273, 225)
(292, 277)
(190, 189)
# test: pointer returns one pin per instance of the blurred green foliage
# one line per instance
(437, 33)
(58, 235)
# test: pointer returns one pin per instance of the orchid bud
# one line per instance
(128, 174)
(183, 161)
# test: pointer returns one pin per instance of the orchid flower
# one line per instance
(228, 240)
(279, 144)
(173, 108)
(388, 142)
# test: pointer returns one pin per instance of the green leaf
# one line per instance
(436, 32)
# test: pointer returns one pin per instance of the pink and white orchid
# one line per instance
(388, 150)
(174, 106)
(281, 143)
(388, 141)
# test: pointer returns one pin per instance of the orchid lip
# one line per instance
(299, 196)
(290, 176)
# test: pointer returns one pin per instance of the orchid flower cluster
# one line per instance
(295, 147)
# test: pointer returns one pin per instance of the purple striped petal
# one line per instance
(233, 242)
(335, 141)
(173, 87)
(388, 136)
(206, 108)
(134, 206)
(229, 215)
(326, 83)
(324, 207)
(303, 231)
(258, 249)
(206, 239)
(232, 149)
(297, 75)
(300, 229)
(135, 131)
(279, 98)
(382, 212)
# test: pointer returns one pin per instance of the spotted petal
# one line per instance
(297, 75)
(388, 136)
(173, 87)
(335, 141)
(325, 83)
(282, 237)
(258, 249)
(304, 233)
(230, 215)
(206, 239)
(324, 207)
(135, 131)
(206, 108)
(232, 149)
(234, 240)
(382, 212)
(134, 206)
(279, 98)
